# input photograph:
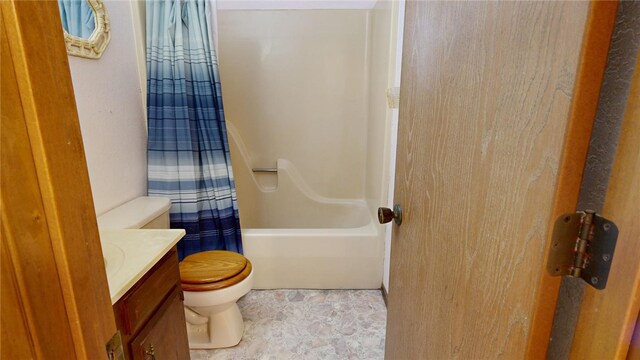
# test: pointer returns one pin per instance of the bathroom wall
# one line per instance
(293, 83)
(380, 62)
(394, 66)
(111, 114)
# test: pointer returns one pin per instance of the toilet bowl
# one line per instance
(212, 281)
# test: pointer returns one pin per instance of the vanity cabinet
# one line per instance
(150, 316)
(162, 338)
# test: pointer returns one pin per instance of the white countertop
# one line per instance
(129, 254)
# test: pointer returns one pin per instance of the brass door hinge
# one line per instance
(582, 246)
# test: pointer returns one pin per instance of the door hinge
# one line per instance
(115, 351)
(582, 246)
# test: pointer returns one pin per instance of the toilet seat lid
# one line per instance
(211, 266)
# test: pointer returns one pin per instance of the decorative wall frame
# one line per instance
(93, 47)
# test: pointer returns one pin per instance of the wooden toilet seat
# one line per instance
(213, 270)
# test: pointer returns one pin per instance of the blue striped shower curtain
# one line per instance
(188, 150)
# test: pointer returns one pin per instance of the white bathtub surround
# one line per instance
(284, 200)
(305, 90)
(308, 324)
(293, 83)
(129, 254)
(296, 238)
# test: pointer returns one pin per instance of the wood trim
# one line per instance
(29, 273)
(634, 347)
(606, 320)
(36, 43)
(599, 28)
(17, 340)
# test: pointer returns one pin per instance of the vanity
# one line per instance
(144, 284)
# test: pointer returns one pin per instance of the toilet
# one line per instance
(212, 281)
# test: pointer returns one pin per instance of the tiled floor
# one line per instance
(308, 324)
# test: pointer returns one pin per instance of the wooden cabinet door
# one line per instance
(496, 108)
(164, 338)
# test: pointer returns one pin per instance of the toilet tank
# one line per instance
(140, 213)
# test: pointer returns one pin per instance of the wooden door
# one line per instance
(55, 299)
(496, 109)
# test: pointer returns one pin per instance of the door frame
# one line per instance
(607, 318)
(50, 243)
(593, 60)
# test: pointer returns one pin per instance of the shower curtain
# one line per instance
(188, 150)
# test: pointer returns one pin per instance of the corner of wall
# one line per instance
(139, 19)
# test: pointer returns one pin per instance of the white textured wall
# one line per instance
(294, 85)
(111, 114)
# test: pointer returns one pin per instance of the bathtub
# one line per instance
(296, 238)
(329, 258)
